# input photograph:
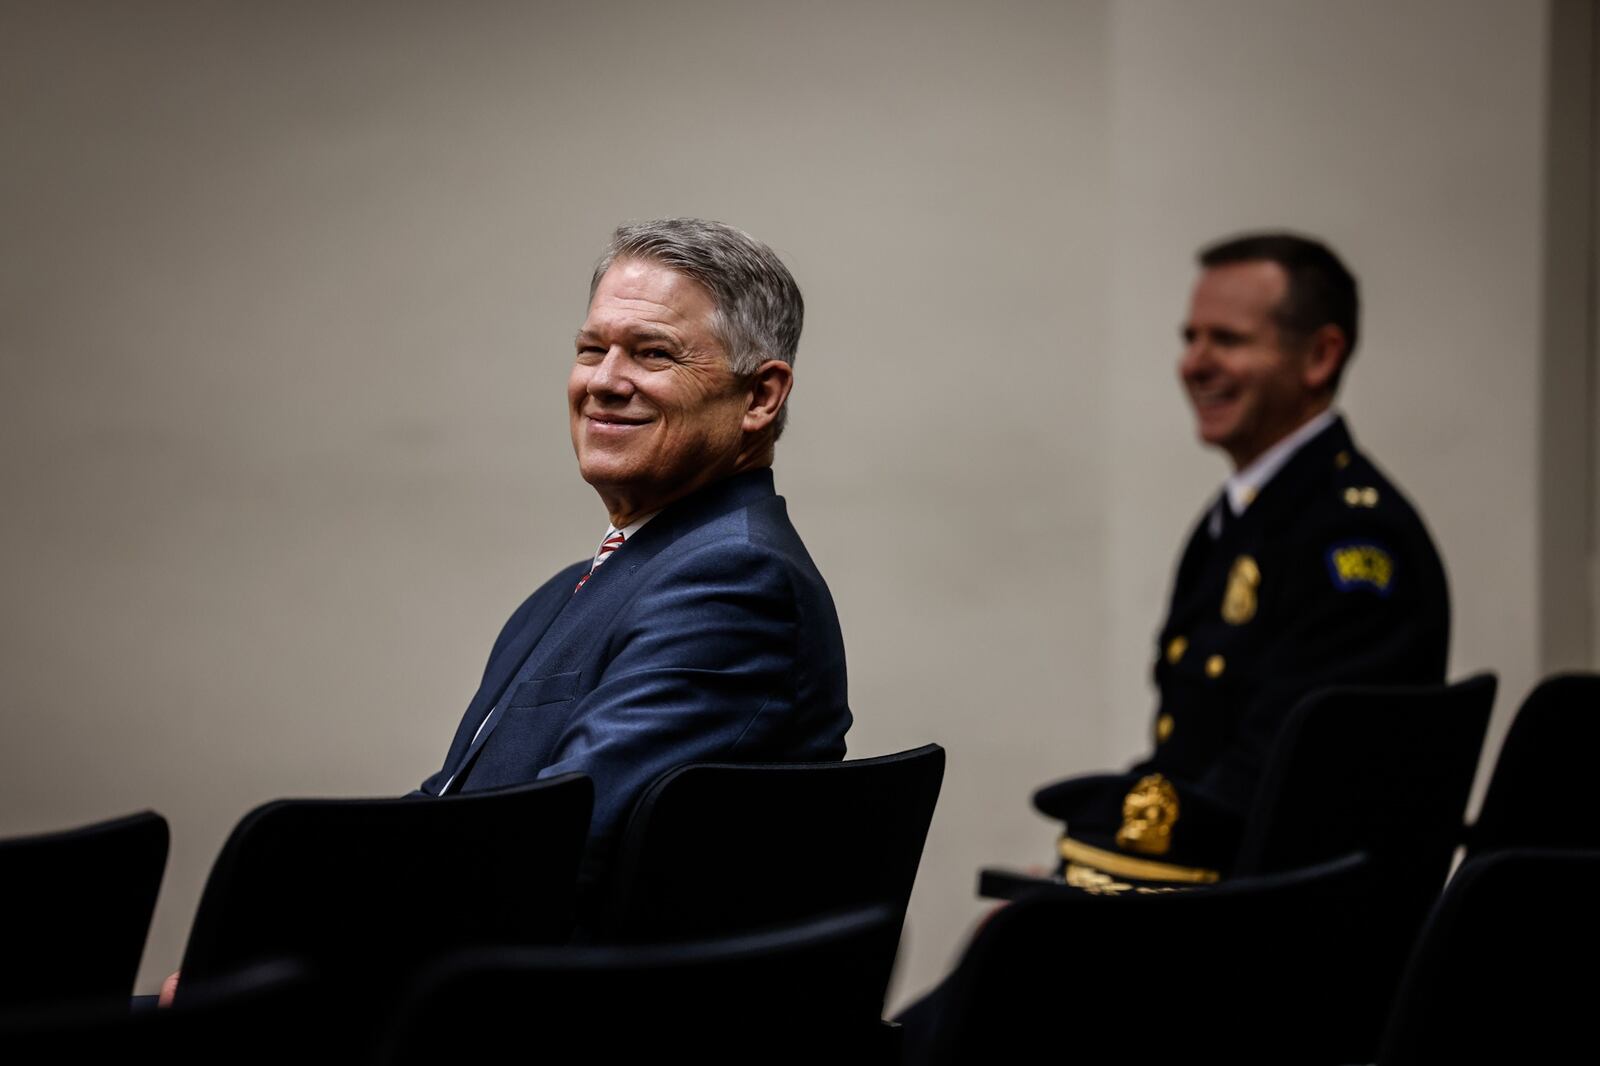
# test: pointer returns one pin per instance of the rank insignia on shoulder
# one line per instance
(1366, 496)
(1361, 566)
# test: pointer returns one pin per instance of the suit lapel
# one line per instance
(590, 608)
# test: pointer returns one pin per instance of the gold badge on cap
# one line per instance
(1239, 600)
(1149, 811)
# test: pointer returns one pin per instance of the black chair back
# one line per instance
(365, 890)
(267, 1014)
(1504, 971)
(1216, 974)
(75, 909)
(713, 849)
(1387, 771)
(787, 995)
(1538, 794)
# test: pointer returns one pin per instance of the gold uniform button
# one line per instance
(1164, 726)
(1341, 460)
(1175, 649)
(1215, 665)
(1369, 497)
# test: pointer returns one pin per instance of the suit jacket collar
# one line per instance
(564, 610)
(610, 582)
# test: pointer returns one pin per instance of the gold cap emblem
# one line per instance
(1148, 814)
(1239, 599)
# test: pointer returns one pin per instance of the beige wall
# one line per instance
(287, 290)
(1384, 128)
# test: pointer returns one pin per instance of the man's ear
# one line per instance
(1326, 352)
(769, 388)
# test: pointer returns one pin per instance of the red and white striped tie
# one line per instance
(607, 546)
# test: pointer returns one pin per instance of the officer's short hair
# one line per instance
(1321, 289)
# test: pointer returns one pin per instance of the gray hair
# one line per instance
(759, 310)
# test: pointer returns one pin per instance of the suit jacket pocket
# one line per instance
(552, 688)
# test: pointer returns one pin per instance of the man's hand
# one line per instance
(169, 988)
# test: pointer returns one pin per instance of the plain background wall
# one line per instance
(1410, 135)
(287, 293)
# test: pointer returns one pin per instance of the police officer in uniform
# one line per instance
(1308, 569)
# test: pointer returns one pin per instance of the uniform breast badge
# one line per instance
(1239, 600)
(1149, 812)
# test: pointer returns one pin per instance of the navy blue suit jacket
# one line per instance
(709, 635)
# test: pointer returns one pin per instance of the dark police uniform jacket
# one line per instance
(1328, 577)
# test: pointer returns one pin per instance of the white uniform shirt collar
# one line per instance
(1245, 485)
(627, 534)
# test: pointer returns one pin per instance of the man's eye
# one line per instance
(655, 353)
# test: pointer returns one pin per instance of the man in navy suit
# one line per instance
(701, 629)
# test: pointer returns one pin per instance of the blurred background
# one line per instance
(287, 293)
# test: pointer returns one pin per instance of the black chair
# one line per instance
(267, 1014)
(363, 891)
(1150, 976)
(1538, 794)
(1504, 970)
(75, 909)
(785, 995)
(715, 849)
(1381, 770)
(1386, 770)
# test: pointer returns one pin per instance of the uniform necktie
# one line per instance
(607, 546)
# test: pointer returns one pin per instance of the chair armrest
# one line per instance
(995, 883)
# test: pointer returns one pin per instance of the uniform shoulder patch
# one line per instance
(1361, 564)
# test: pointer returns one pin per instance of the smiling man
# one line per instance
(1308, 569)
(699, 629)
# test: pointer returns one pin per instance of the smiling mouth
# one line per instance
(1211, 397)
(614, 420)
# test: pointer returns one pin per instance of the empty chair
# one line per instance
(795, 994)
(75, 909)
(713, 848)
(1385, 770)
(1152, 976)
(267, 1014)
(1538, 794)
(365, 890)
(1382, 770)
(1504, 970)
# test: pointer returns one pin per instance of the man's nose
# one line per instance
(1195, 360)
(612, 375)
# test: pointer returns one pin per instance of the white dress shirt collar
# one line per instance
(1243, 486)
(627, 534)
